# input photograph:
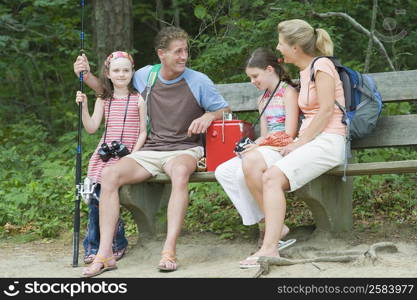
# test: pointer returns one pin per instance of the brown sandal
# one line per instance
(105, 266)
(167, 257)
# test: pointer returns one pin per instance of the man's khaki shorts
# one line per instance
(154, 161)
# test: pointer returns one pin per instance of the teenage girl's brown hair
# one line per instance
(262, 58)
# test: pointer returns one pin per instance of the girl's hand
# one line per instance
(80, 98)
(248, 148)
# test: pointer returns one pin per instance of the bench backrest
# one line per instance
(391, 131)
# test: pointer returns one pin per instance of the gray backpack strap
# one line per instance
(348, 153)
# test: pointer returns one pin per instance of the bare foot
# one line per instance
(284, 233)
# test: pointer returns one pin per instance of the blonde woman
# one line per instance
(320, 144)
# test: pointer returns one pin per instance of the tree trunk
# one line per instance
(160, 13)
(112, 27)
(371, 38)
(176, 9)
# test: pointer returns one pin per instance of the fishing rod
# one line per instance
(78, 190)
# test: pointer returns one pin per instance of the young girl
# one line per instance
(241, 178)
(125, 123)
(320, 145)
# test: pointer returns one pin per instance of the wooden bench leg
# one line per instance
(330, 201)
(144, 200)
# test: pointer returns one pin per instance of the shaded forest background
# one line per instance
(40, 39)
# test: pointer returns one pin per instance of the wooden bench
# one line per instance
(328, 197)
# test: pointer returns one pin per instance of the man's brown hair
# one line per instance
(168, 34)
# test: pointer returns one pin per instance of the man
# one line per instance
(182, 105)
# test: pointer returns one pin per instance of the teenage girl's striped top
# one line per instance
(114, 131)
(275, 111)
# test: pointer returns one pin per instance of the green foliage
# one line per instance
(390, 197)
(382, 198)
(211, 210)
(39, 40)
(37, 179)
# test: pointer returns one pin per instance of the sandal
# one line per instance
(118, 255)
(105, 266)
(284, 244)
(88, 259)
(167, 258)
(249, 262)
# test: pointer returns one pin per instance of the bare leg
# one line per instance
(253, 165)
(275, 183)
(179, 170)
(123, 172)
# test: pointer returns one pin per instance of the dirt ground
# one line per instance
(205, 255)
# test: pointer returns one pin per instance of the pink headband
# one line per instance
(118, 54)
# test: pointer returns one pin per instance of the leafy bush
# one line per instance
(211, 210)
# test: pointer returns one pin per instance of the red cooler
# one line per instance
(221, 139)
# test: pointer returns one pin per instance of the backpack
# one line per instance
(363, 101)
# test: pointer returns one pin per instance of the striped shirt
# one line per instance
(114, 131)
(275, 111)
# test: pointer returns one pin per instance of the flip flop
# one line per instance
(252, 262)
(167, 257)
(285, 244)
(105, 266)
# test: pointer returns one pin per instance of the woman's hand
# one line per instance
(289, 148)
(80, 98)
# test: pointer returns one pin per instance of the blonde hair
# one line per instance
(313, 41)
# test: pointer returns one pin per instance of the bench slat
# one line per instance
(195, 177)
(391, 167)
(397, 86)
(391, 131)
(393, 86)
(405, 166)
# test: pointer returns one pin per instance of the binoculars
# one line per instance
(115, 150)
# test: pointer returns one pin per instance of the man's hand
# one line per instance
(81, 65)
(201, 124)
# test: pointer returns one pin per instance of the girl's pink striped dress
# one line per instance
(114, 131)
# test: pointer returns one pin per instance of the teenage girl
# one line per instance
(241, 178)
(320, 145)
